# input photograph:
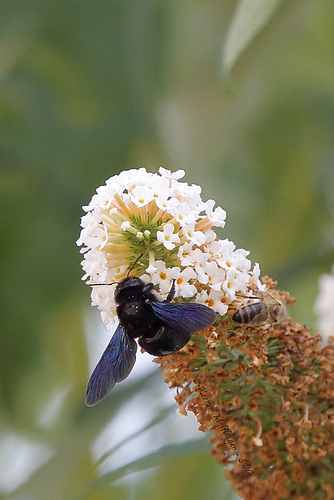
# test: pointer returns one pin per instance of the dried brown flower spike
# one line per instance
(267, 394)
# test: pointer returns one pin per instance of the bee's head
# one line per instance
(127, 287)
(279, 313)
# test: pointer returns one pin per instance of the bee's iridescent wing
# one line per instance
(183, 316)
(114, 366)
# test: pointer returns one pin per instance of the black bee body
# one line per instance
(133, 310)
(163, 327)
(136, 313)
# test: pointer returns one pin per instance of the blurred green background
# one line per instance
(90, 88)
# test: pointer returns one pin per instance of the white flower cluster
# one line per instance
(138, 212)
(324, 305)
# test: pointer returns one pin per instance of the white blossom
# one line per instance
(165, 222)
(217, 217)
(324, 305)
(182, 277)
(162, 276)
(167, 237)
(184, 254)
(213, 299)
(199, 260)
(193, 236)
(141, 195)
(234, 282)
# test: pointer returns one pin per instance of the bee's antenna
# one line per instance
(133, 265)
(115, 282)
(101, 284)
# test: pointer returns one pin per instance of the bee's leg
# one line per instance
(148, 287)
(171, 292)
(160, 333)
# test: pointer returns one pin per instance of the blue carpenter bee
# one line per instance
(162, 327)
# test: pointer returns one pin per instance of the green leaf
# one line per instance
(249, 18)
(148, 461)
(16, 39)
(154, 421)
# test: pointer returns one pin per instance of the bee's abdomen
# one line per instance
(253, 313)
